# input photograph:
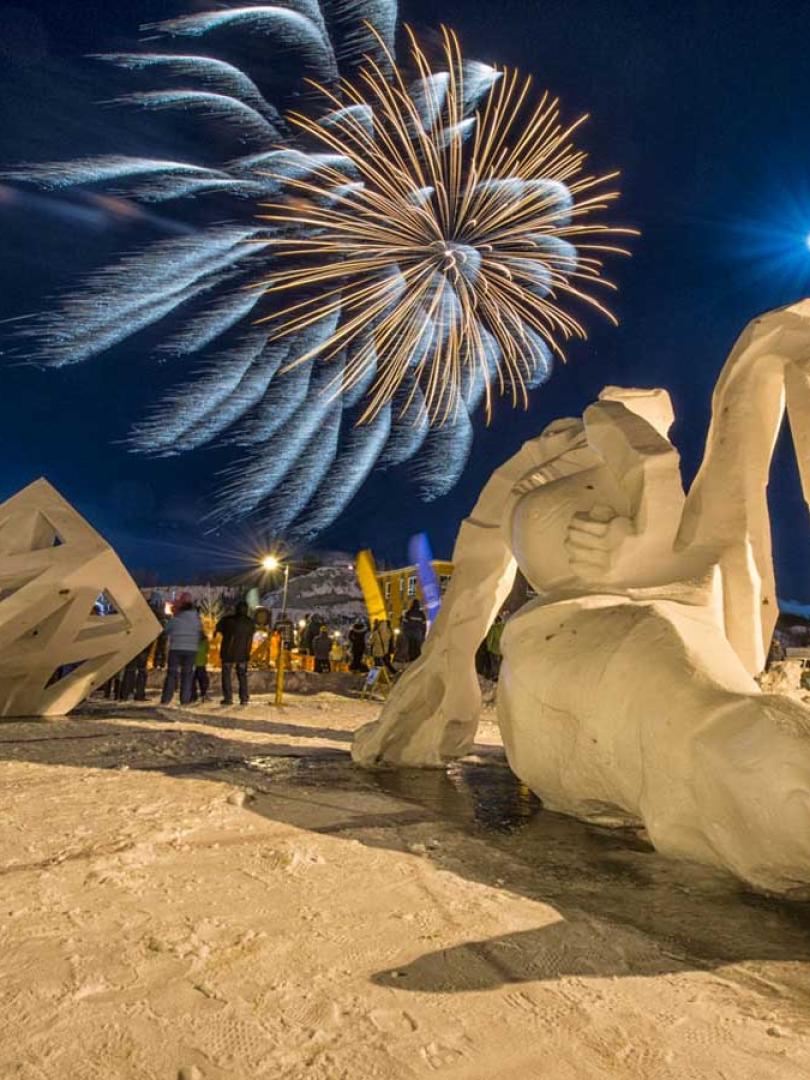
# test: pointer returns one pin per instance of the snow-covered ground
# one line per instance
(222, 895)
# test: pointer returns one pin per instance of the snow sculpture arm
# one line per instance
(431, 715)
(630, 544)
(726, 519)
(797, 395)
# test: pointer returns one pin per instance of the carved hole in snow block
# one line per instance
(55, 647)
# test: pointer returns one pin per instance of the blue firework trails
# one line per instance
(406, 190)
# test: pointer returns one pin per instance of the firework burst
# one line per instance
(461, 239)
(427, 241)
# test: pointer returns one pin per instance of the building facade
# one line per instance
(399, 587)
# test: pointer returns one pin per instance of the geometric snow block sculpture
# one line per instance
(54, 648)
(627, 690)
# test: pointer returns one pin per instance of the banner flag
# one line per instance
(366, 571)
(422, 557)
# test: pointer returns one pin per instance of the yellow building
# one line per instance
(399, 587)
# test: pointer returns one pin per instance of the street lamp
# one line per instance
(271, 563)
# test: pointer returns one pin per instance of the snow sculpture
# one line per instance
(53, 567)
(627, 689)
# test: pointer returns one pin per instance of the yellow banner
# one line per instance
(372, 593)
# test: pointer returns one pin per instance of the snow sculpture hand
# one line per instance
(601, 544)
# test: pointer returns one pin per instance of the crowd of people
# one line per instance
(188, 648)
(380, 644)
(183, 647)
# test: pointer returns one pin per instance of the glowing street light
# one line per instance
(271, 563)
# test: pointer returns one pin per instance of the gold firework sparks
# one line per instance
(450, 243)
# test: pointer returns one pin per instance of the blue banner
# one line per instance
(422, 557)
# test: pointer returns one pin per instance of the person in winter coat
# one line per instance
(357, 640)
(303, 636)
(316, 623)
(381, 643)
(337, 654)
(133, 681)
(237, 643)
(776, 652)
(321, 650)
(184, 631)
(400, 647)
(414, 627)
(310, 631)
(161, 643)
(201, 680)
(494, 646)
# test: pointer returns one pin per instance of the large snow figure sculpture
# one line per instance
(627, 690)
(53, 567)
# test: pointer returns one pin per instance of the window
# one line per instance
(444, 581)
(387, 589)
(412, 585)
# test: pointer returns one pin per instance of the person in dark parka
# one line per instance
(237, 643)
(357, 640)
(322, 649)
(133, 681)
(414, 627)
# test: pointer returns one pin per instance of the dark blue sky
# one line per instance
(702, 105)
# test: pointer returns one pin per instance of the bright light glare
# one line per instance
(807, 241)
(270, 562)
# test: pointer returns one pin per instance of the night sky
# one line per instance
(703, 107)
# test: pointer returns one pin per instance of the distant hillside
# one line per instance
(331, 591)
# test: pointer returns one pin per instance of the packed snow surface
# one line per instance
(219, 894)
